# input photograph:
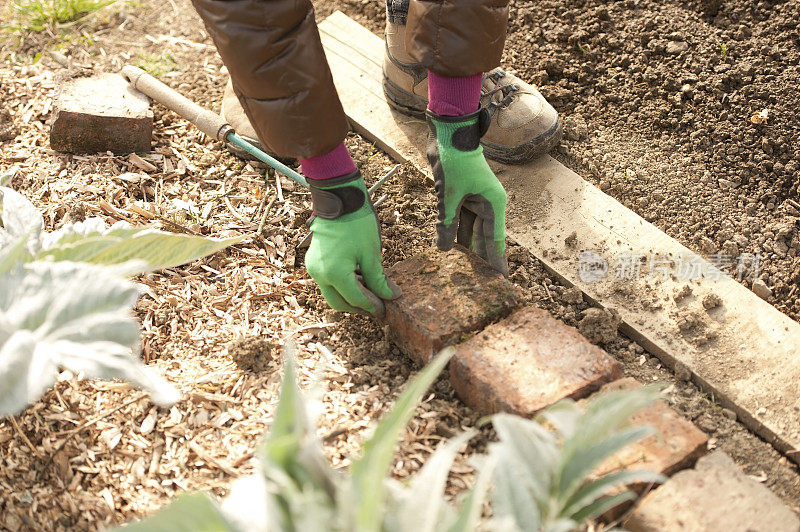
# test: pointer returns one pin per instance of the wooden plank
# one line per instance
(358, 70)
(744, 351)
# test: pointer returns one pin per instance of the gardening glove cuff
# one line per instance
(345, 253)
(471, 200)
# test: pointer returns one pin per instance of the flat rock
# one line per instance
(715, 496)
(527, 362)
(676, 444)
(676, 47)
(446, 295)
(761, 289)
(100, 113)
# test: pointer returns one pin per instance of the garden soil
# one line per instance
(659, 99)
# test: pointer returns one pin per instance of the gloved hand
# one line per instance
(472, 202)
(346, 239)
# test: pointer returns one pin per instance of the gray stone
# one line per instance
(761, 289)
(676, 47)
(714, 496)
(100, 113)
(575, 128)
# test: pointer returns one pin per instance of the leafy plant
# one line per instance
(156, 64)
(296, 489)
(130, 249)
(64, 303)
(36, 15)
(540, 477)
(723, 49)
(72, 316)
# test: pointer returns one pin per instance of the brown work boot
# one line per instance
(233, 113)
(405, 83)
(523, 125)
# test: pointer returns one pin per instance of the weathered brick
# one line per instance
(100, 113)
(527, 362)
(715, 496)
(445, 296)
(676, 444)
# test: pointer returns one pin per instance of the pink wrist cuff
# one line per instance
(333, 164)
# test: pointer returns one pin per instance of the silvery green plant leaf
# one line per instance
(421, 506)
(600, 431)
(301, 486)
(192, 512)
(543, 480)
(468, 518)
(19, 219)
(522, 473)
(246, 505)
(366, 488)
(12, 252)
(8, 176)
(133, 250)
(72, 316)
(149, 248)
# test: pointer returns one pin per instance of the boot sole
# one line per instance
(527, 151)
(409, 104)
(403, 101)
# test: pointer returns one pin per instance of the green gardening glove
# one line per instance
(346, 242)
(472, 202)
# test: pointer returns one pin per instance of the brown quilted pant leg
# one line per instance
(457, 38)
(279, 72)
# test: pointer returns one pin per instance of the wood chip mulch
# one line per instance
(92, 454)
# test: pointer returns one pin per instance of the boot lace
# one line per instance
(506, 92)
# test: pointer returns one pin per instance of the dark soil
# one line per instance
(664, 104)
(253, 354)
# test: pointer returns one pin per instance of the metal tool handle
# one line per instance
(206, 121)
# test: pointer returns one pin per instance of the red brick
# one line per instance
(100, 113)
(445, 296)
(715, 496)
(527, 362)
(676, 444)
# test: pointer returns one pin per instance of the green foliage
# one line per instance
(36, 15)
(64, 303)
(296, 489)
(131, 250)
(7, 177)
(92, 242)
(304, 493)
(723, 49)
(367, 487)
(189, 513)
(156, 64)
(71, 316)
(541, 478)
(552, 469)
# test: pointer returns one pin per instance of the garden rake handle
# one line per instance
(210, 123)
(206, 121)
